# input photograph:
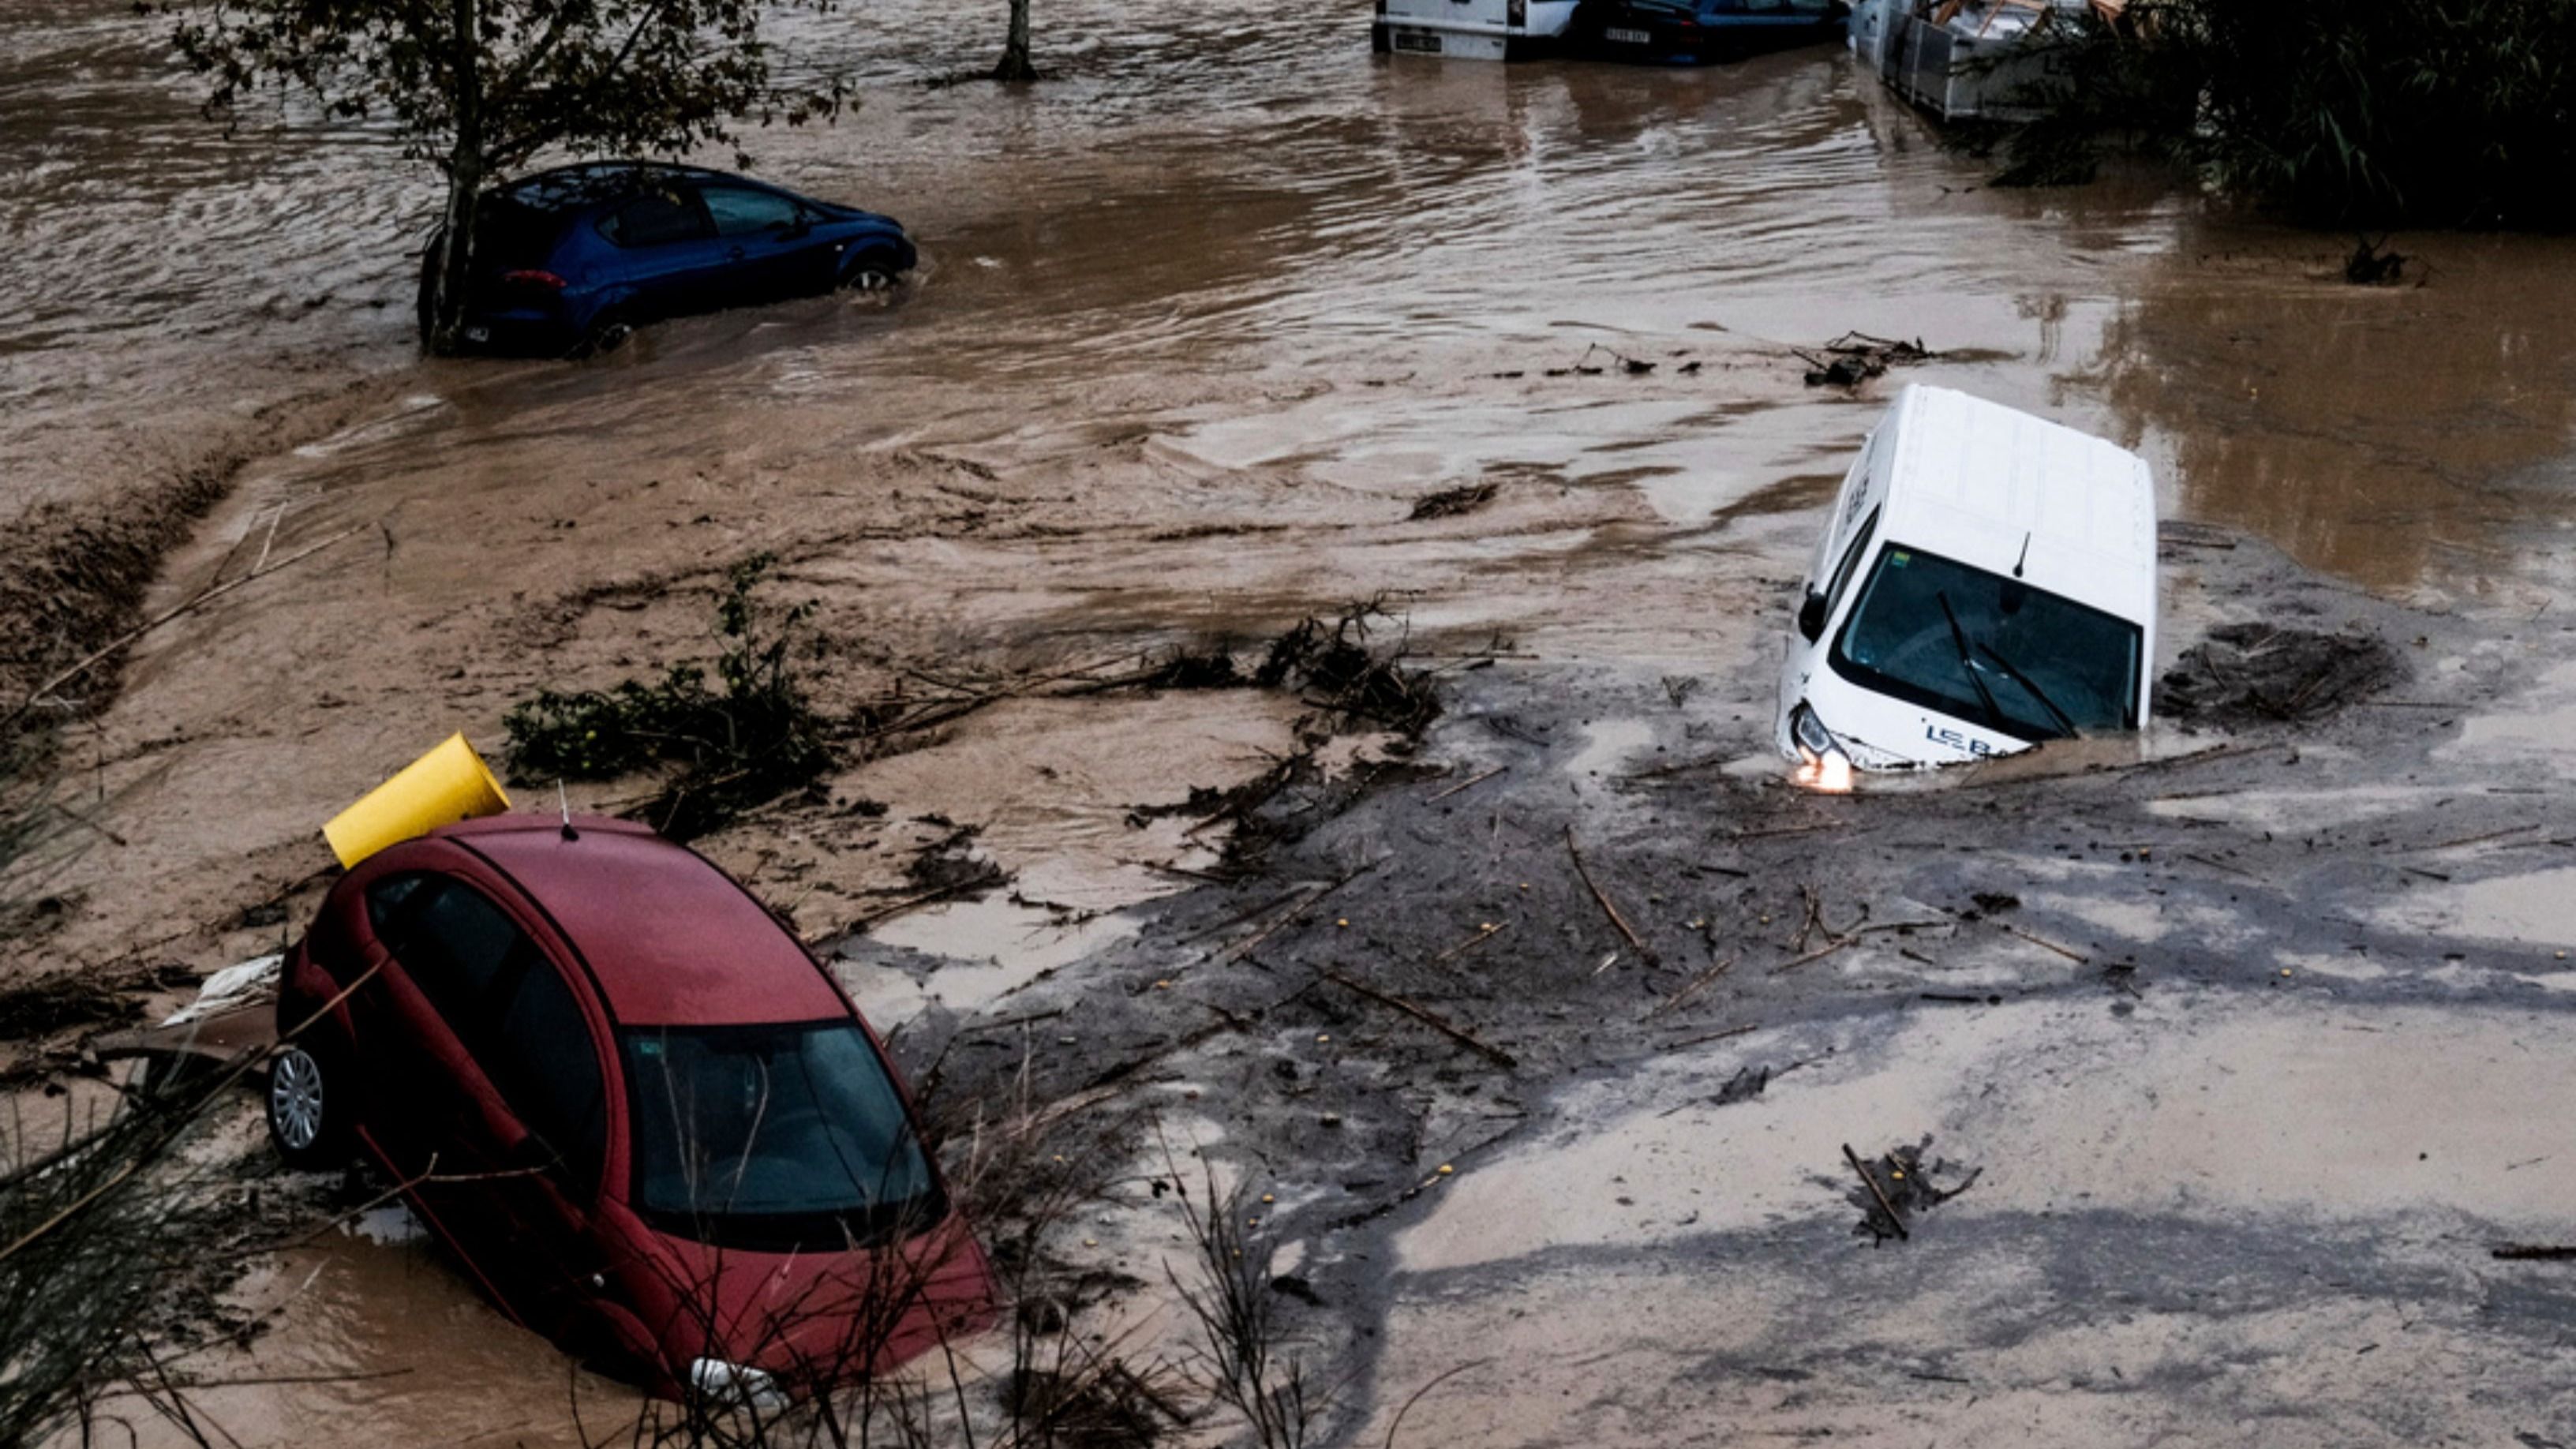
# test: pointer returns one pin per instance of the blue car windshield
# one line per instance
(774, 1137)
(1993, 650)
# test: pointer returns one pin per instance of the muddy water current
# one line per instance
(1208, 190)
(1224, 264)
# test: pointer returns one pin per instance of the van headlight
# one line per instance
(1813, 739)
(1822, 764)
(733, 1385)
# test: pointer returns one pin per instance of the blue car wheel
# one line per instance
(872, 272)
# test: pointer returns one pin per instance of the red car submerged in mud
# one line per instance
(647, 1120)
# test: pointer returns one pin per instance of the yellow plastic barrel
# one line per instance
(448, 784)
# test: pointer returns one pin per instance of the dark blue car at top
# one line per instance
(571, 261)
(1697, 32)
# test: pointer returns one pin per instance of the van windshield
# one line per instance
(1989, 649)
(773, 1137)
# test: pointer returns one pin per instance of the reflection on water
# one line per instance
(2399, 436)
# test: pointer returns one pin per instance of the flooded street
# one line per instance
(1199, 321)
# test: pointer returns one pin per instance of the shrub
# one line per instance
(751, 736)
(2364, 113)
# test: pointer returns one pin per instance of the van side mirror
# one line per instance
(1811, 616)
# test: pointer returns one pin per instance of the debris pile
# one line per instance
(1333, 667)
(1897, 1186)
(1856, 357)
(2374, 264)
(749, 740)
(1448, 502)
(2255, 673)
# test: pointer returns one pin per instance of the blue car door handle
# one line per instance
(735, 254)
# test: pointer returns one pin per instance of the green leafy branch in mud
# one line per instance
(750, 737)
(744, 731)
(2366, 113)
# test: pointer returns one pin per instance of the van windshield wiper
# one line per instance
(1968, 661)
(2065, 721)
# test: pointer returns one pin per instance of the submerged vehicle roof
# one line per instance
(566, 187)
(2001, 490)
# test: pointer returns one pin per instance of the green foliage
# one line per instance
(751, 736)
(590, 76)
(2365, 112)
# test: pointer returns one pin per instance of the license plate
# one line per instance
(478, 334)
(1419, 42)
(1627, 37)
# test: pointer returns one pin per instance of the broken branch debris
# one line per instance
(1612, 911)
(1428, 1018)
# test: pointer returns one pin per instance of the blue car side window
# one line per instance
(656, 218)
(741, 211)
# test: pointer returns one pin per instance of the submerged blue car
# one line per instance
(1695, 32)
(571, 261)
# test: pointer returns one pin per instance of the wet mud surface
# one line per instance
(2253, 1038)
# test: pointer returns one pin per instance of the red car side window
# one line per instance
(508, 1005)
(543, 1061)
(453, 944)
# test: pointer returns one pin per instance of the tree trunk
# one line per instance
(449, 272)
(1014, 65)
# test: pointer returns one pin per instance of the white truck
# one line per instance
(1471, 29)
(1987, 581)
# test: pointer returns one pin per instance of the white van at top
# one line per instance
(1987, 581)
(1471, 29)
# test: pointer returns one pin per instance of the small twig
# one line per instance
(2475, 839)
(1706, 1037)
(1011, 1021)
(1875, 1191)
(1462, 785)
(1818, 954)
(203, 597)
(1786, 830)
(1697, 984)
(269, 542)
(2222, 865)
(1427, 1388)
(1237, 919)
(1428, 1018)
(897, 908)
(1483, 934)
(2533, 1253)
(2045, 944)
(1238, 952)
(1642, 949)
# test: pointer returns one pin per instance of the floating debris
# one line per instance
(1449, 502)
(1897, 1187)
(1856, 357)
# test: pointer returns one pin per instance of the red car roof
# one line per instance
(672, 940)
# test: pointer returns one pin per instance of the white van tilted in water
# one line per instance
(1472, 29)
(1987, 580)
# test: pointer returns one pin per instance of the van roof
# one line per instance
(1973, 480)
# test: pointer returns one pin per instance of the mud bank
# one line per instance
(2251, 1041)
(2253, 1046)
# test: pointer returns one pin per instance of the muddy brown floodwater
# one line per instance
(1199, 320)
